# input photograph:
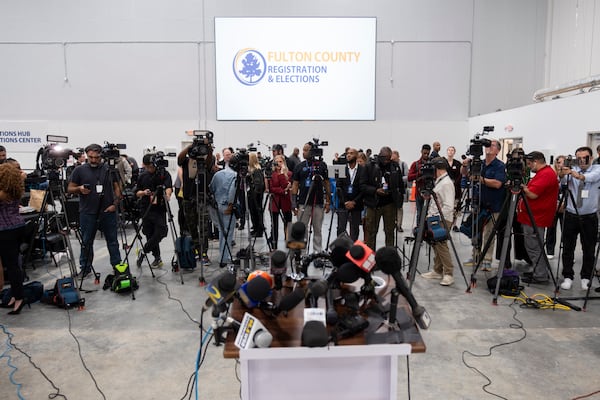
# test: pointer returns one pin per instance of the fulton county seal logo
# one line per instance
(249, 66)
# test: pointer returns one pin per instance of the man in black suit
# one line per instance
(350, 197)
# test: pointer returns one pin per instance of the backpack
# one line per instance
(121, 281)
(510, 284)
(184, 247)
(64, 294)
(32, 292)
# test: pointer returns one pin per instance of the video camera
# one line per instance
(53, 157)
(202, 145)
(316, 153)
(266, 164)
(515, 163)
(341, 160)
(478, 143)
(427, 175)
(110, 153)
(239, 161)
(569, 161)
(158, 160)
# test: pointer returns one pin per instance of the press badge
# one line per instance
(585, 193)
(349, 189)
(98, 188)
(307, 182)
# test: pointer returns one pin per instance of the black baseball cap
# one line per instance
(536, 156)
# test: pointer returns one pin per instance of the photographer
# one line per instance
(196, 162)
(541, 193)
(311, 192)
(382, 188)
(351, 203)
(491, 179)
(414, 174)
(580, 218)
(99, 193)
(444, 193)
(153, 189)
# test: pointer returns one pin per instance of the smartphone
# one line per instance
(87, 186)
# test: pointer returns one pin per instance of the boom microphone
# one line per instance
(389, 262)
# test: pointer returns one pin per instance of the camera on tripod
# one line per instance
(53, 156)
(427, 173)
(110, 153)
(202, 145)
(478, 143)
(239, 161)
(266, 164)
(158, 160)
(316, 152)
(515, 163)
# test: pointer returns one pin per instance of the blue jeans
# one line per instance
(107, 224)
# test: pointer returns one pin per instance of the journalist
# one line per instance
(382, 188)
(154, 189)
(541, 193)
(581, 218)
(443, 194)
(99, 194)
(223, 187)
(197, 165)
(351, 197)
(414, 175)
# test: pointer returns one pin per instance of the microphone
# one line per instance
(278, 267)
(314, 334)
(317, 289)
(289, 301)
(253, 291)
(362, 255)
(390, 263)
(252, 333)
(222, 289)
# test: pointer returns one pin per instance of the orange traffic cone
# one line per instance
(413, 192)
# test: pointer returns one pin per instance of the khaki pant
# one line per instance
(442, 262)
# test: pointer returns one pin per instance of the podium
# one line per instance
(361, 372)
(350, 370)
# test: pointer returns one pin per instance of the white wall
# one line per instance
(553, 127)
(143, 72)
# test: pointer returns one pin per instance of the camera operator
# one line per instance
(197, 162)
(382, 188)
(99, 194)
(580, 218)
(153, 188)
(312, 172)
(223, 186)
(492, 179)
(444, 192)
(414, 174)
(352, 205)
(541, 193)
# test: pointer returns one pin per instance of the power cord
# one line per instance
(489, 353)
(193, 379)
(5, 354)
(539, 301)
(170, 297)
(81, 356)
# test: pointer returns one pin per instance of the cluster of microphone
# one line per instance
(349, 262)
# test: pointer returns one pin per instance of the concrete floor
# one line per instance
(147, 348)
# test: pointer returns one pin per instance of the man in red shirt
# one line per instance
(541, 193)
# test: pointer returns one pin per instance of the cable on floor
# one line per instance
(10, 344)
(519, 325)
(539, 301)
(81, 356)
(170, 297)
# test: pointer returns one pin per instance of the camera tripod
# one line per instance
(428, 194)
(516, 194)
(44, 220)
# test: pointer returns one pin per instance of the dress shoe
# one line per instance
(17, 310)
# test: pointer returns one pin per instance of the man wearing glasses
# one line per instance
(581, 216)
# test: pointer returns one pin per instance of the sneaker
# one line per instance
(157, 263)
(205, 260)
(567, 283)
(431, 275)
(550, 256)
(486, 266)
(585, 284)
(469, 263)
(400, 229)
(140, 259)
(447, 280)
